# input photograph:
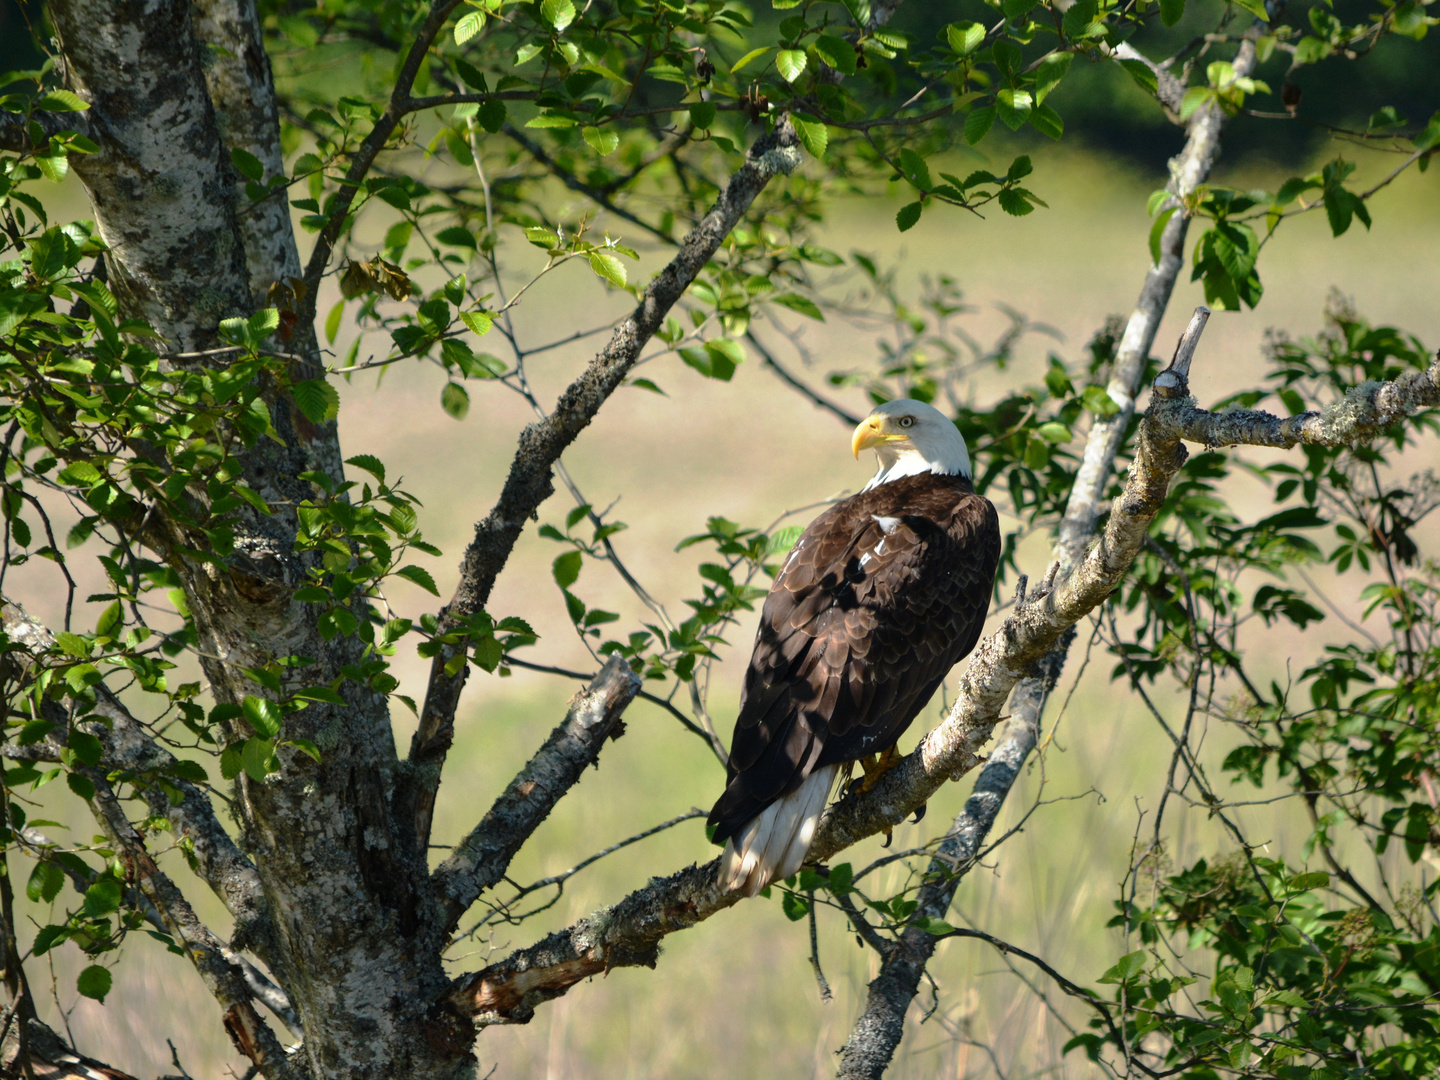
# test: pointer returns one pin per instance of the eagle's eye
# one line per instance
(907, 421)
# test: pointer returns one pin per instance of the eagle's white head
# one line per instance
(911, 438)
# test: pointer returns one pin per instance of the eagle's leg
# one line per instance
(877, 765)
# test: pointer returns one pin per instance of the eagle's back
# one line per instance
(880, 597)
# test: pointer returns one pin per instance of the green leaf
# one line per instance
(796, 907)
(1047, 121)
(102, 897)
(814, 136)
(370, 463)
(455, 400)
(609, 267)
(306, 747)
(558, 13)
(457, 236)
(566, 568)
(1048, 75)
(965, 37)
(790, 63)
(914, 169)
(1157, 232)
(62, 101)
(73, 644)
(1080, 18)
(317, 399)
(469, 24)
(908, 215)
(264, 716)
(1171, 11)
(420, 576)
(1142, 74)
(702, 114)
(247, 164)
(257, 757)
(602, 140)
(479, 322)
(751, 56)
(1254, 7)
(489, 652)
(977, 125)
(45, 882)
(1128, 967)
(803, 304)
(492, 115)
(837, 52)
(88, 749)
(230, 764)
(94, 982)
(1099, 402)
(332, 321)
(474, 78)
(1014, 107)
(550, 120)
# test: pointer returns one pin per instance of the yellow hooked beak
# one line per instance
(872, 430)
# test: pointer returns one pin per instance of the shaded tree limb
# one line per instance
(1188, 170)
(481, 859)
(878, 1030)
(128, 750)
(819, 401)
(51, 1056)
(15, 134)
(530, 480)
(630, 932)
(249, 1033)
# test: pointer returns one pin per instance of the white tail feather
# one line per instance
(775, 843)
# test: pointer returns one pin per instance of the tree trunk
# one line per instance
(174, 87)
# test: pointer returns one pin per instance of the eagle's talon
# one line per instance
(889, 835)
(919, 814)
(877, 765)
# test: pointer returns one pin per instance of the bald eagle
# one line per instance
(880, 597)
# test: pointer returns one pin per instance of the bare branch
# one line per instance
(1365, 412)
(574, 183)
(839, 412)
(482, 858)
(530, 481)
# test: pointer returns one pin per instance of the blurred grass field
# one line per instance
(736, 995)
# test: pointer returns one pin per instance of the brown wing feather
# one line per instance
(857, 633)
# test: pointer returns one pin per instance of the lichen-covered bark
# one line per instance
(237, 74)
(160, 183)
(342, 886)
(330, 882)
